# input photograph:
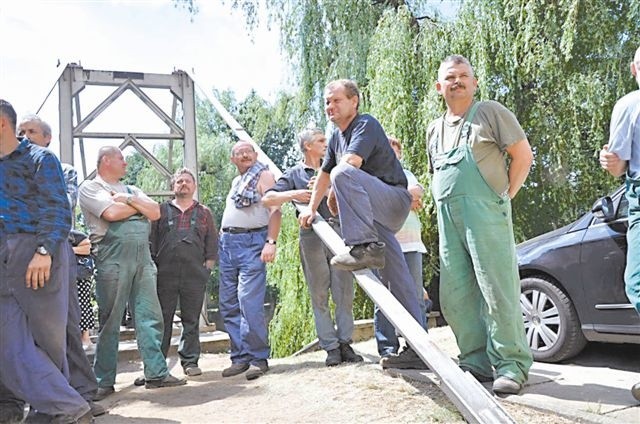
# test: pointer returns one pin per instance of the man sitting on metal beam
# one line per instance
(373, 200)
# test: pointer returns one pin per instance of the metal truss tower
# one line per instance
(73, 123)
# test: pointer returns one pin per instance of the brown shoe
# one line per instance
(257, 370)
(235, 369)
(168, 381)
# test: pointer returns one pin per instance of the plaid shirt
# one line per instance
(32, 195)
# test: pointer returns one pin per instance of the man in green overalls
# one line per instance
(118, 219)
(472, 188)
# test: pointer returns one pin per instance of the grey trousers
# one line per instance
(371, 210)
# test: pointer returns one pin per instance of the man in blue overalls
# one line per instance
(472, 189)
(622, 156)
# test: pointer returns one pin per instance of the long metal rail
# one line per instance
(473, 401)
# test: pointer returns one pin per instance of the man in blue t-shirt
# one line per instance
(371, 192)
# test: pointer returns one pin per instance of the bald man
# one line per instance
(118, 218)
(247, 243)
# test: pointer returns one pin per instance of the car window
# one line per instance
(623, 208)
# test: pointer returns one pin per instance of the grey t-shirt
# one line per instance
(493, 129)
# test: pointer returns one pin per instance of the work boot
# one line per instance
(103, 392)
(368, 255)
(334, 357)
(257, 370)
(140, 381)
(635, 391)
(96, 409)
(408, 359)
(235, 369)
(192, 370)
(168, 381)
(348, 355)
(506, 386)
(11, 413)
(87, 418)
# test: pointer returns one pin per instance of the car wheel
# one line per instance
(550, 321)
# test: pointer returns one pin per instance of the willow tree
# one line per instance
(559, 65)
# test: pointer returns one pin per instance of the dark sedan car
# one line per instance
(572, 284)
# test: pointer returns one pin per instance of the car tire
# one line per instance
(551, 323)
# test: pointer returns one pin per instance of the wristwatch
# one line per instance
(41, 250)
(271, 241)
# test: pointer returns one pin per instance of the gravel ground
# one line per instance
(295, 390)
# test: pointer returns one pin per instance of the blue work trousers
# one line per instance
(371, 210)
(243, 282)
(33, 354)
(323, 279)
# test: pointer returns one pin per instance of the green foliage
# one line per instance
(292, 325)
(559, 65)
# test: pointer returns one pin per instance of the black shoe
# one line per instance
(334, 357)
(168, 381)
(96, 409)
(87, 418)
(480, 377)
(103, 392)
(140, 381)
(407, 360)
(11, 413)
(368, 255)
(257, 369)
(348, 355)
(235, 369)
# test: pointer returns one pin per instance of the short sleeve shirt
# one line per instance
(493, 129)
(624, 138)
(297, 178)
(95, 198)
(365, 137)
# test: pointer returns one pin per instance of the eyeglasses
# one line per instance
(241, 153)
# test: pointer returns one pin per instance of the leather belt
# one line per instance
(240, 230)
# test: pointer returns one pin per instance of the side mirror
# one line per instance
(603, 209)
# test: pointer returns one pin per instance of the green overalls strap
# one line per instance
(479, 282)
(126, 273)
(632, 270)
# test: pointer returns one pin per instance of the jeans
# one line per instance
(321, 279)
(243, 283)
(385, 332)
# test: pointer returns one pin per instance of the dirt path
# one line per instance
(295, 390)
